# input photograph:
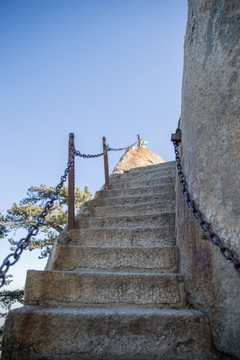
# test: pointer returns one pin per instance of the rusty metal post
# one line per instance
(106, 169)
(71, 207)
(139, 140)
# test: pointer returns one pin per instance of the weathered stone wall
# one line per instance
(210, 124)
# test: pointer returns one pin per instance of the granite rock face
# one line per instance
(137, 157)
(210, 124)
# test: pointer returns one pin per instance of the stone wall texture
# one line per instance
(210, 124)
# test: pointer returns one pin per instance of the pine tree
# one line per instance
(24, 214)
(7, 299)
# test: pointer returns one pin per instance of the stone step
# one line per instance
(141, 181)
(112, 333)
(144, 208)
(155, 167)
(88, 288)
(150, 190)
(137, 236)
(133, 199)
(151, 169)
(129, 176)
(147, 190)
(163, 219)
(76, 258)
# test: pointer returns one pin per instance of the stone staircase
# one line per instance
(112, 289)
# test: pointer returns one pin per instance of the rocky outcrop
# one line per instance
(210, 124)
(137, 157)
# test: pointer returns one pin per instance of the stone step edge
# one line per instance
(111, 273)
(174, 247)
(150, 168)
(133, 178)
(123, 271)
(136, 188)
(115, 217)
(158, 165)
(118, 180)
(158, 202)
(73, 232)
(111, 309)
(144, 174)
(165, 193)
(129, 206)
(181, 305)
(124, 228)
(131, 193)
(118, 186)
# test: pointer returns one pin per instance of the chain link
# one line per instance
(90, 156)
(205, 226)
(123, 148)
(12, 258)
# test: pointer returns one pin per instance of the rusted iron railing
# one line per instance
(71, 183)
(105, 157)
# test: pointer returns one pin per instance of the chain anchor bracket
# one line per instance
(177, 137)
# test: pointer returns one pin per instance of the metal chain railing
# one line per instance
(106, 149)
(89, 156)
(205, 226)
(12, 258)
(121, 149)
(33, 230)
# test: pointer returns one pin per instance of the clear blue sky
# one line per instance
(93, 67)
